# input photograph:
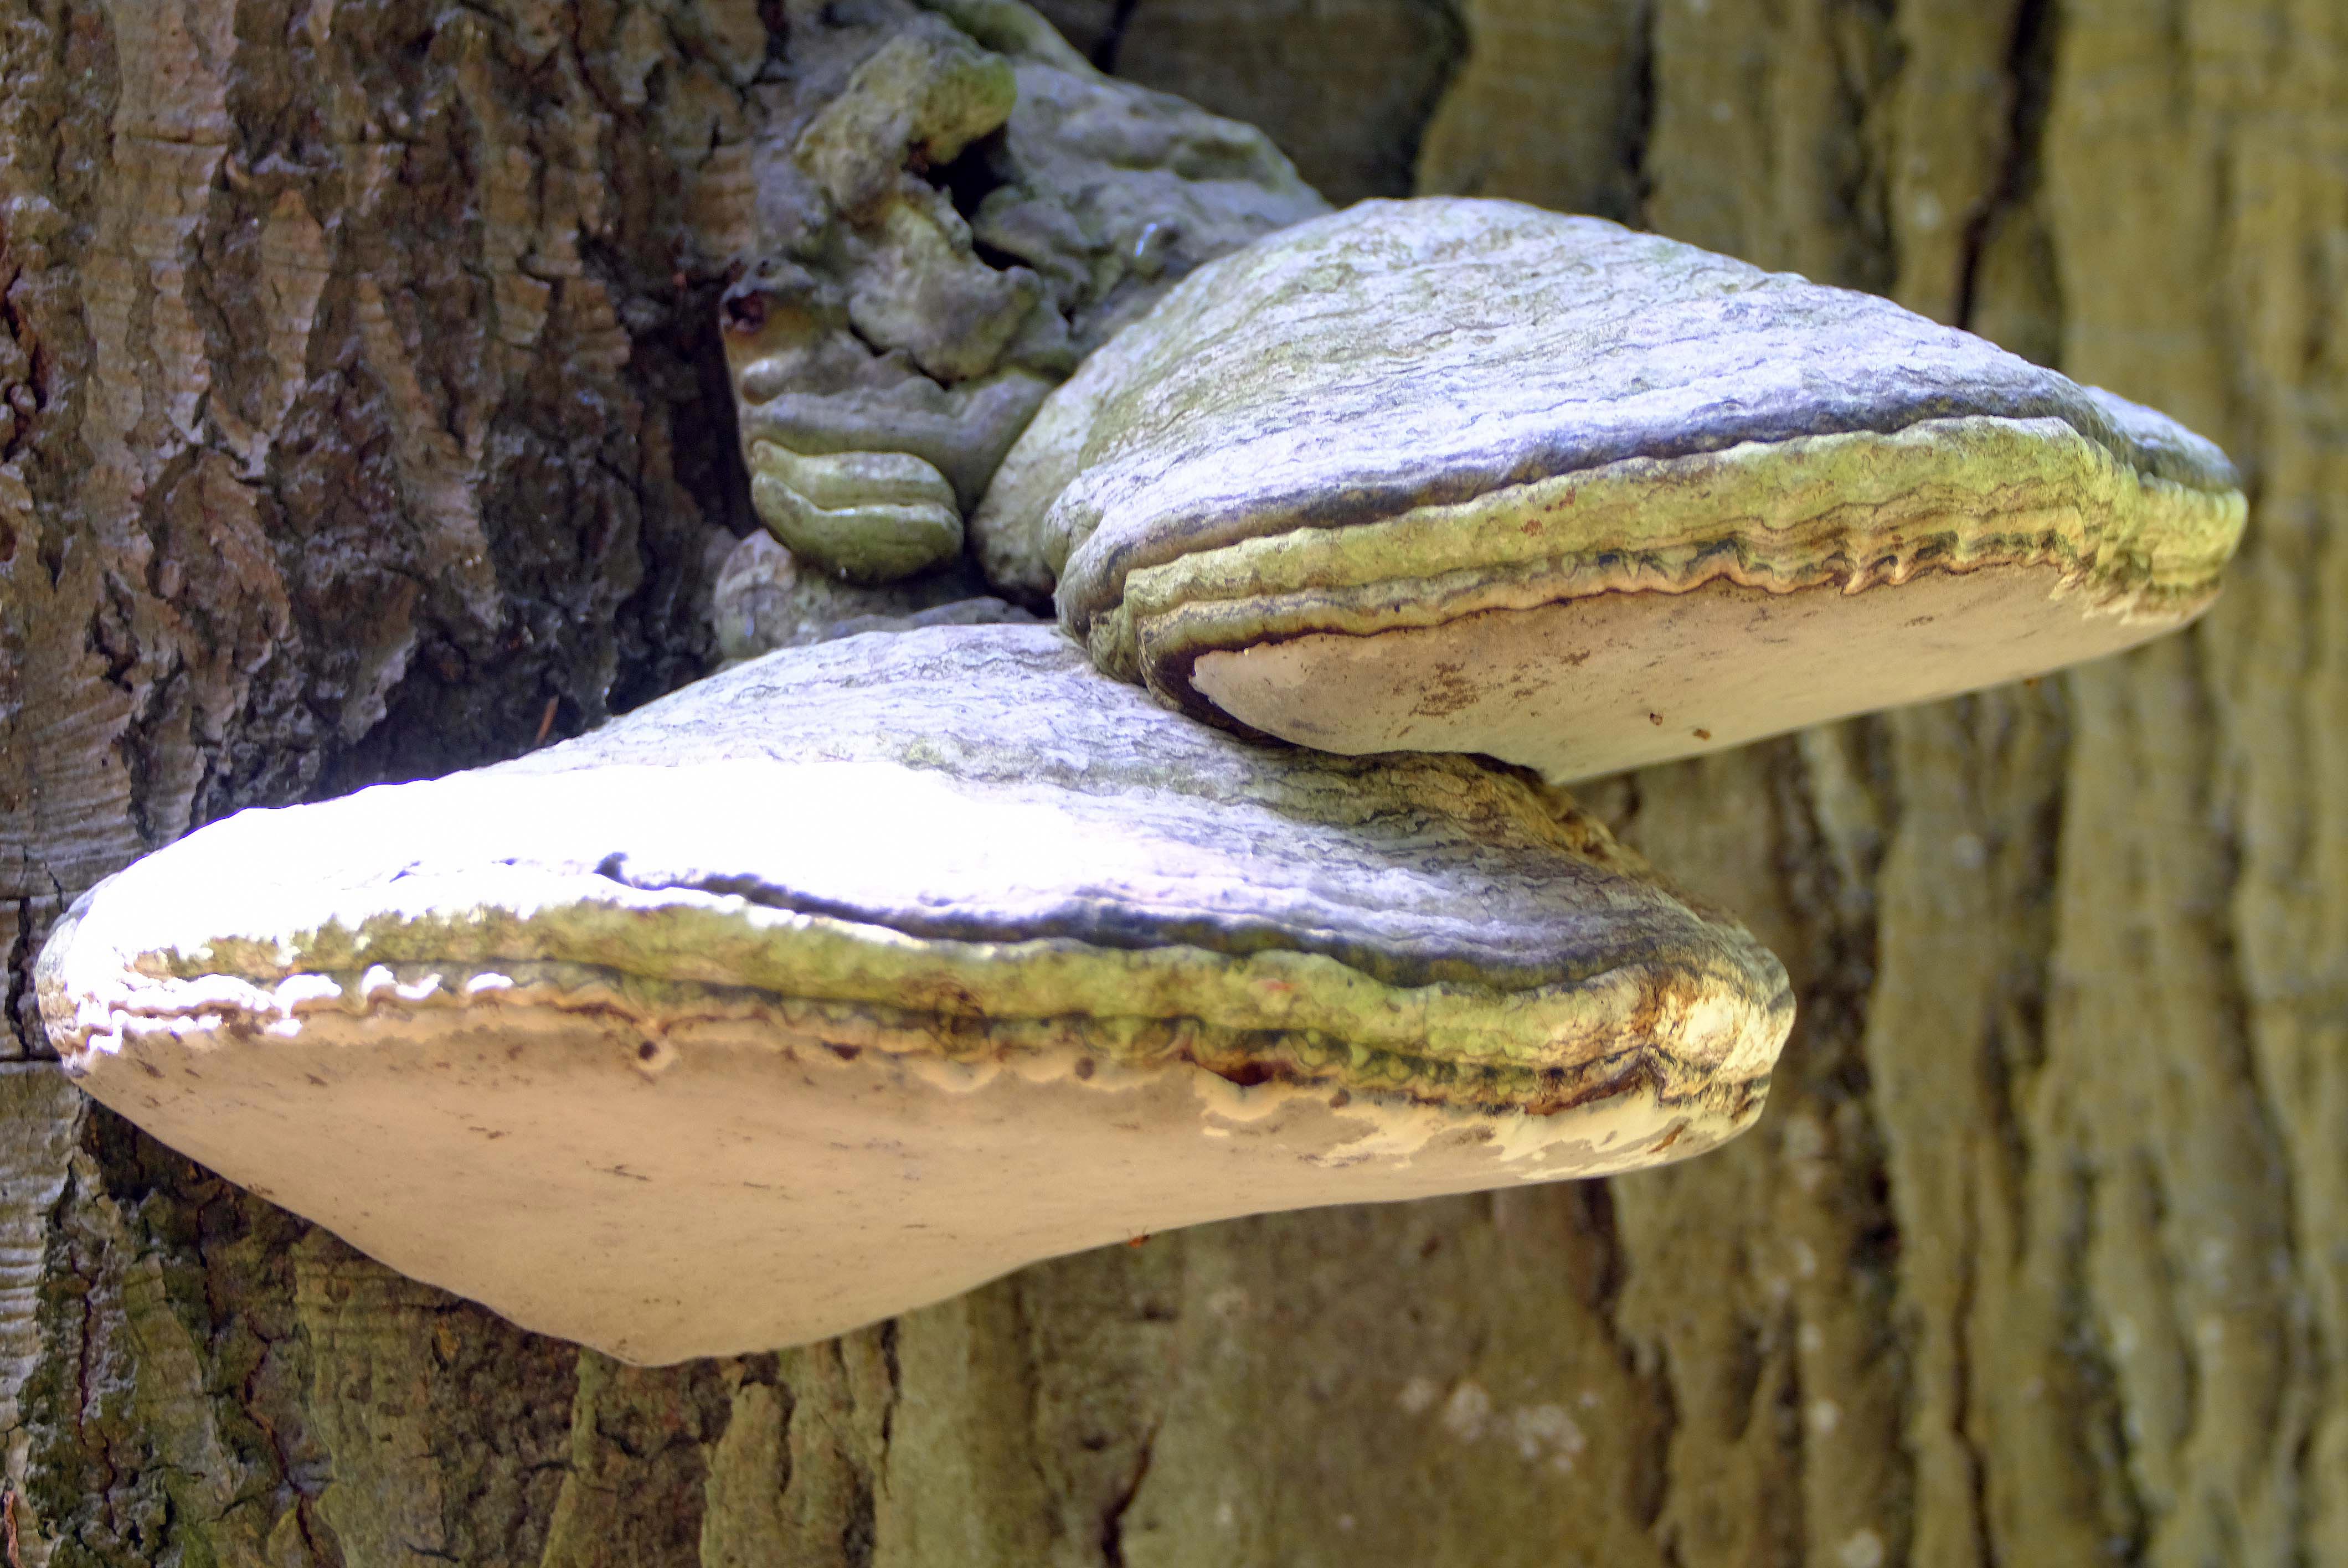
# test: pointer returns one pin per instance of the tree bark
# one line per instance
(361, 407)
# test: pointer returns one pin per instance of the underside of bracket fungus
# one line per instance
(886, 348)
(1463, 475)
(861, 973)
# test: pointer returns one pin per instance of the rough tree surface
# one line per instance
(361, 407)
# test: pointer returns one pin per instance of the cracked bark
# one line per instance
(404, 315)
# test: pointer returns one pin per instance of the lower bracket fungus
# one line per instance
(1464, 475)
(863, 972)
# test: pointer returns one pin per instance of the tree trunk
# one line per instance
(361, 417)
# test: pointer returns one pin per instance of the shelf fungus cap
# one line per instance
(864, 972)
(1463, 475)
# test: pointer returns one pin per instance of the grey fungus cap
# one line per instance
(1463, 475)
(866, 971)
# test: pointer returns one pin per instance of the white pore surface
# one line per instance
(752, 1188)
(1591, 686)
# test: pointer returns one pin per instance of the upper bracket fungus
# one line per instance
(1464, 475)
(954, 208)
(865, 971)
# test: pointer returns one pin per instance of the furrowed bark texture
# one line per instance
(359, 398)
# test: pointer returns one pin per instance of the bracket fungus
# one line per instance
(954, 209)
(1452, 474)
(863, 972)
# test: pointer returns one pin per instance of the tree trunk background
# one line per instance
(360, 405)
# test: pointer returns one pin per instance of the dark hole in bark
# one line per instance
(973, 175)
(744, 308)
